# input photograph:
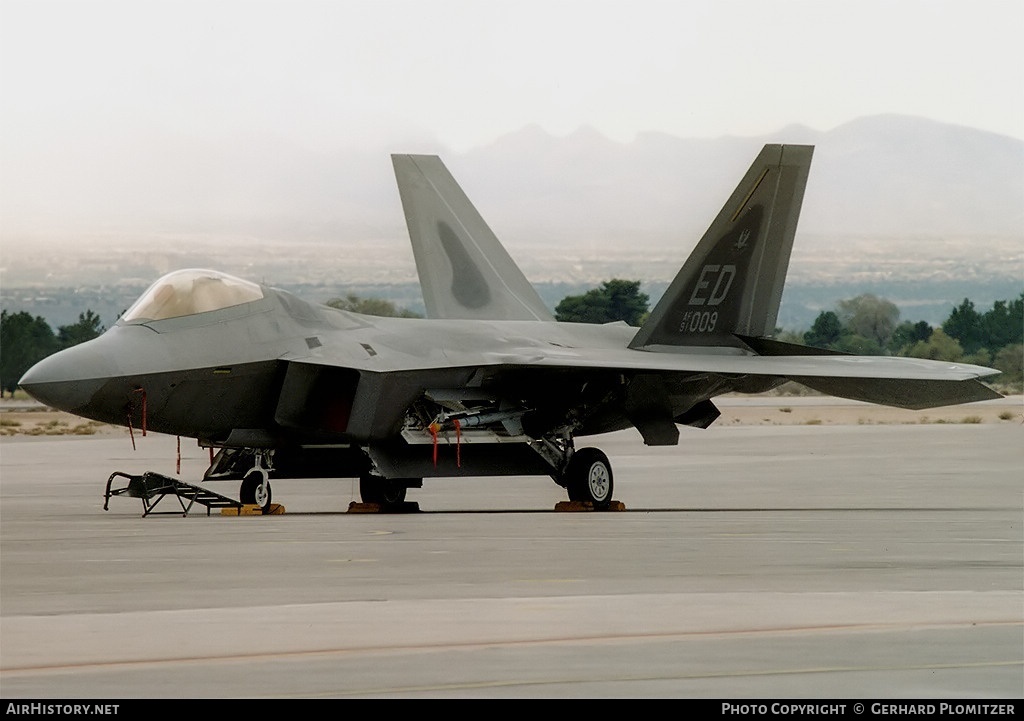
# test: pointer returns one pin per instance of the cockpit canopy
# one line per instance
(188, 292)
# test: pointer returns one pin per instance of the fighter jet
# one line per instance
(489, 384)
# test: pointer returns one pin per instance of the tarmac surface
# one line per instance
(822, 561)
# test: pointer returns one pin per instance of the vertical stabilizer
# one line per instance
(732, 282)
(464, 270)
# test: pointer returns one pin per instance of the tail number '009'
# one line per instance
(698, 321)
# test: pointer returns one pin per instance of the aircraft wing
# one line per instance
(910, 383)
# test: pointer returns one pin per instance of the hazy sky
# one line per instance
(329, 75)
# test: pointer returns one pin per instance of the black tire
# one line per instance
(588, 478)
(382, 491)
(250, 490)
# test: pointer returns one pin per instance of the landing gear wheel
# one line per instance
(588, 478)
(383, 491)
(256, 490)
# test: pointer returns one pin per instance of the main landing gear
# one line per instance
(585, 474)
(588, 478)
(387, 492)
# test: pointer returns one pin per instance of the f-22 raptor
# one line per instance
(489, 384)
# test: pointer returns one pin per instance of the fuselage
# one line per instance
(278, 368)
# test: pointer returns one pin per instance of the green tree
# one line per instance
(1003, 325)
(981, 357)
(371, 306)
(615, 300)
(826, 331)
(908, 333)
(24, 341)
(938, 347)
(1010, 360)
(965, 326)
(87, 328)
(871, 317)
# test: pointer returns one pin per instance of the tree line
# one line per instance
(865, 325)
(869, 325)
(24, 341)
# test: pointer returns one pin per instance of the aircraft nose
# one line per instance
(69, 379)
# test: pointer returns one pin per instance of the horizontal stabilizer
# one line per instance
(913, 393)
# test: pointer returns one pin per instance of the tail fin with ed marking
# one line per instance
(731, 285)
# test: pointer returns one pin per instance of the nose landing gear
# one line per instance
(255, 488)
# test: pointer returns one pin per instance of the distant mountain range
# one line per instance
(922, 212)
(884, 175)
